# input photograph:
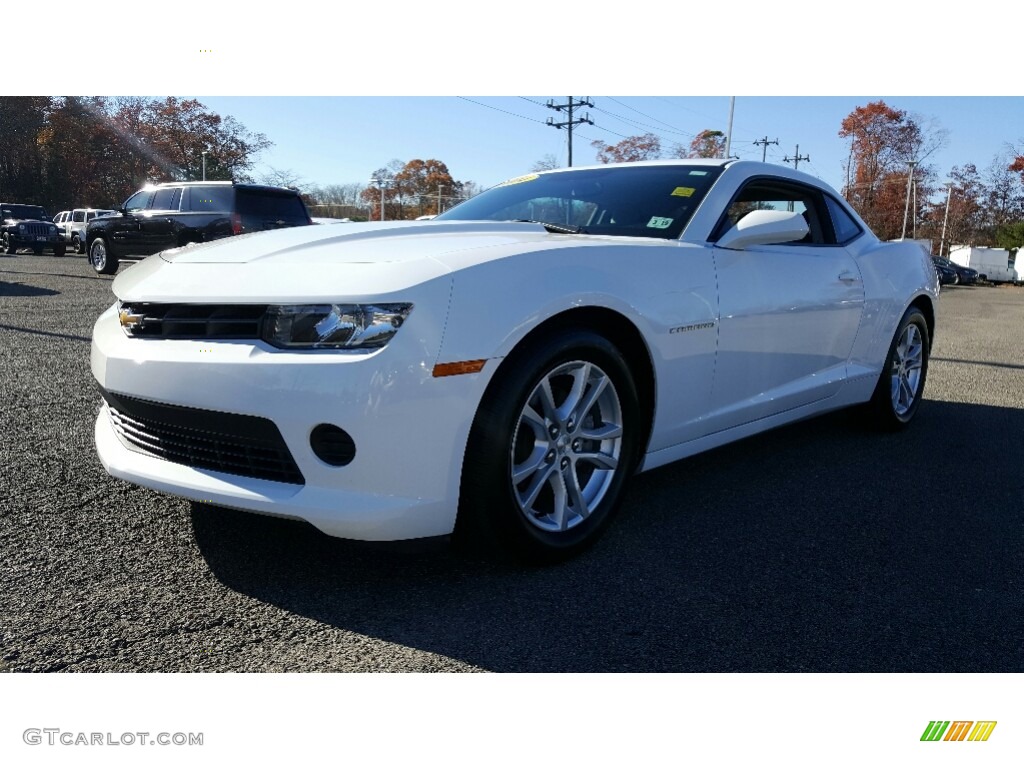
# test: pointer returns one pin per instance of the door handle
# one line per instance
(849, 277)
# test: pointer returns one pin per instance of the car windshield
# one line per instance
(24, 212)
(627, 200)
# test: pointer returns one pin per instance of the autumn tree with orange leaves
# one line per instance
(707, 143)
(630, 150)
(883, 142)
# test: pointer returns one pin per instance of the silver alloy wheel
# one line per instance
(567, 446)
(907, 361)
(98, 255)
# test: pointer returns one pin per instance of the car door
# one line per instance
(158, 222)
(126, 229)
(789, 313)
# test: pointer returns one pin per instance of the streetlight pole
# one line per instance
(949, 194)
(439, 188)
(906, 210)
(204, 165)
(382, 184)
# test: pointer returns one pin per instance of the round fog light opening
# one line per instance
(332, 445)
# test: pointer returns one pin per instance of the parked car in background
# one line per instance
(59, 220)
(964, 275)
(29, 227)
(72, 225)
(947, 275)
(503, 370)
(162, 216)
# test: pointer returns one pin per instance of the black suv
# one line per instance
(169, 215)
(29, 226)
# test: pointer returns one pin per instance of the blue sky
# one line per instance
(487, 139)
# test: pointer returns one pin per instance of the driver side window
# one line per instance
(762, 195)
(139, 201)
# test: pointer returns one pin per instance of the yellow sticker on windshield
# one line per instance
(659, 222)
(520, 179)
(683, 191)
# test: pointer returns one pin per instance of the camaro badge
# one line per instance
(677, 329)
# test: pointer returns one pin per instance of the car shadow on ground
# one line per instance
(22, 290)
(817, 547)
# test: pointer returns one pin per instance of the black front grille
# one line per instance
(34, 230)
(225, 442)
(193, 321)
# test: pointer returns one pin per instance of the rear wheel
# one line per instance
(101, 259)
(77, 245)
(550, 450)
(901, 386)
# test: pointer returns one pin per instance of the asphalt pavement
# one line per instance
(819, 547)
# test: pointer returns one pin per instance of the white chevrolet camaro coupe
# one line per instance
(500, 371)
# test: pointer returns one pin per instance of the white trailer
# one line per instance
(992, 264)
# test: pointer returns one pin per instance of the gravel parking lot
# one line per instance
(819, 547)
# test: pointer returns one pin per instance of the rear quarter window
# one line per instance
(209, 199)
(272, 206)
(846, 228)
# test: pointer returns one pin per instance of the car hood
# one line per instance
(354, 261)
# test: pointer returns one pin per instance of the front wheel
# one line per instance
(101, 259)
(8, 245)
(901, 386)
(550, 450)
(77, 245)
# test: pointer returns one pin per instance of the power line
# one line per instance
(504, 111)
(638, 124)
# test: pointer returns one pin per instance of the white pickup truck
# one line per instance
(72, 224)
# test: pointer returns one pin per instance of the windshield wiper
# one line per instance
(561, 229)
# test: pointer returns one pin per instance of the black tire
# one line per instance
(101, 259)
(900, 387)
(37, 251)
(77, 245)
(554, 448)
(59, 250)
(8, 247)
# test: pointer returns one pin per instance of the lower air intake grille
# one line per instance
(224, 442)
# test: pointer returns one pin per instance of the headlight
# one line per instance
(53, 228)
(21, 227)
(333, 326)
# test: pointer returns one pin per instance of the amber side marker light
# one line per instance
(457, 369)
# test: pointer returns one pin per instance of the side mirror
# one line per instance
(123, 211)
(764, 228)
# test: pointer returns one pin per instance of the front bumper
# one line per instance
(409, 428)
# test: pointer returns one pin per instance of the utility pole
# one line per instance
(795, 160)
(439, 188)
(906, 210)
(382, 184)
(204, 165)
(728, 131)
(949, 194)
(570, 122)
(765, 142)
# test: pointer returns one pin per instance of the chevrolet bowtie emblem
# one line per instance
(129, 319)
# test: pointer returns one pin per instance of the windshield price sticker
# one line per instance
(683, 191)
(659, 222)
